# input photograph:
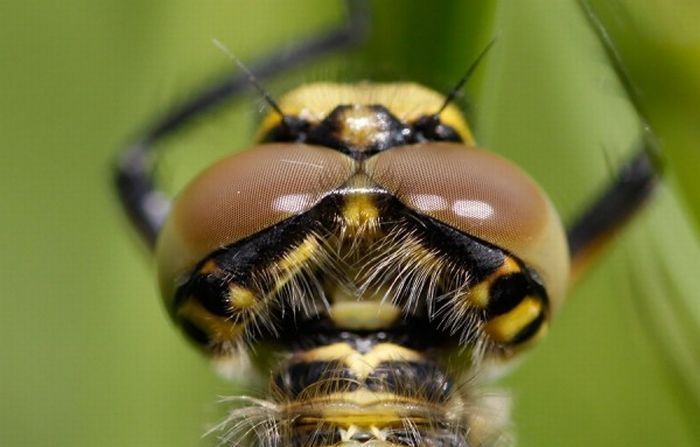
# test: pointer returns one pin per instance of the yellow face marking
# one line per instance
(241, 297)
(509, 266)
(363, 408)
(364, 315)
(363, 419)
(328, 353)
(360, 211)
(363, 398)
(506, 327)
(388, 352)
(209, 267)
(219, 329)
(362, 365)
(480, 294)
(294, 261)
(406, 101)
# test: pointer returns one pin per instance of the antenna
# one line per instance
(458, 88)
(251, 77)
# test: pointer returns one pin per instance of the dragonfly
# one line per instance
(368, 244)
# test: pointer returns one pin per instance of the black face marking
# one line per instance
(420, 328)
(430, 128)
(424, 379)
(530, 330)
(478, 257)
(362, 437)
(212, 294)
(381, 130)
(415, 333)
(194, 332)
(239, 261)
(440, 437)
(509, 290)
(291, 129)
(298, 377)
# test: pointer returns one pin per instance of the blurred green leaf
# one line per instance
(659, 46)
(89, 357)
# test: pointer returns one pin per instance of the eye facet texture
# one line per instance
(482, 195)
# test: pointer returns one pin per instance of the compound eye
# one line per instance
(482, 195)
(241, 195)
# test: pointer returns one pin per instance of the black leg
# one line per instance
(631, 187)
(627, 194)
(141, 199)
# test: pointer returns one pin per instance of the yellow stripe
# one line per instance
(364, 315)
(219, 329)
(294, 262)
(480, 294)
(506, 327)
(406, 101)
(362, 365)
(360, 210)
(364, 408)
(241, 297)
(209, 267)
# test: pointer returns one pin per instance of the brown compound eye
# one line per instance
(241, 195)
(481, 195)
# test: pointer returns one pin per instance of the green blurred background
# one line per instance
(87, 356)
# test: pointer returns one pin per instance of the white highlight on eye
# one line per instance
(428, 202)
(292, 203)
(475, 209)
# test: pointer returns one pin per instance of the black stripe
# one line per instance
(330, 377)
(506, 293)
(212, 293)
(440, 437)
(423, 380)
(194, 332)
(416, 333)
(239, 261)
(477, 257)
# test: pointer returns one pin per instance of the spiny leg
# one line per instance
(633, 184)
(143, 202)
